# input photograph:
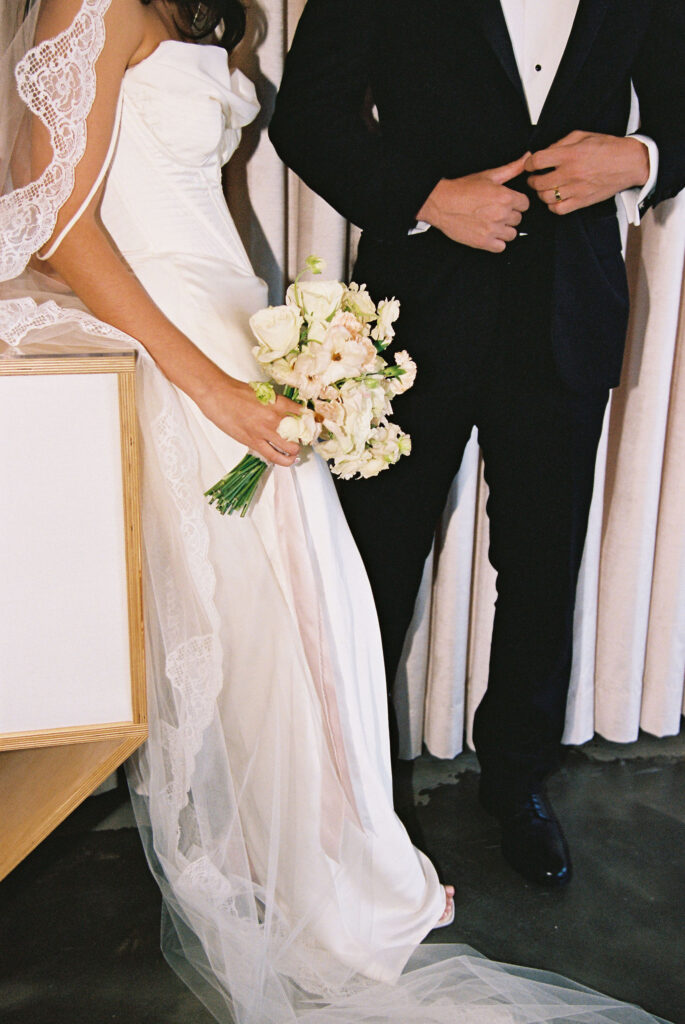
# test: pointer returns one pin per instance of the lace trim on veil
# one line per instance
(57, 82)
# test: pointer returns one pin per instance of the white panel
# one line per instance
(64, 649)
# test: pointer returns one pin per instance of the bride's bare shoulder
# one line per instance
(126, 23)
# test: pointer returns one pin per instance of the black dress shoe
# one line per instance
(532, 840)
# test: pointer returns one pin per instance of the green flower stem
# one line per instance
(388, 371)
(313, 264)
(235, 491)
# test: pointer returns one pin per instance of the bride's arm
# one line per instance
(91, 266)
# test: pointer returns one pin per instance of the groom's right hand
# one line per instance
(478, 210)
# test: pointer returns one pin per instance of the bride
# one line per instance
(291, 890)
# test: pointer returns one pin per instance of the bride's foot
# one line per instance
(448, 914)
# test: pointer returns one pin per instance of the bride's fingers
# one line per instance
(279, 445)
(273, 437)
(286, 407)
(272, 454)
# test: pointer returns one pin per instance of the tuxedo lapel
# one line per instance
(490, 16)
(588, 20)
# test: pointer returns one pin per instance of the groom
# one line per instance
(481, 147)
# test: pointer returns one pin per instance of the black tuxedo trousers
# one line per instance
(539, 440)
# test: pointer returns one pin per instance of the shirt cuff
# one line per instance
(419, 228)
(633, 198)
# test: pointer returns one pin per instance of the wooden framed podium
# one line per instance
(72, 660)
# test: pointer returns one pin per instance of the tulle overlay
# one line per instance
(291, 890)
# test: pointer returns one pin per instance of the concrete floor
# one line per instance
(79, 919)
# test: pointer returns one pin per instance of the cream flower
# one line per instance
(329, 407)
(364, 465)
(388, 312)
(388, 442)
(333, 446)
(347, 468)
(380, 401)
(359, 302)
(386, 445)
(277, 329)
(317, 330)
(348, 436)
(281, 370)
(372, 464)
(317, 300)
(350, 356)
(398, 385)
(352, 324)
(358, 415)
(303, 429)
(310, 369)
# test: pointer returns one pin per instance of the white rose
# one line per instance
(302, 429)
(317, 300)
(277, 329)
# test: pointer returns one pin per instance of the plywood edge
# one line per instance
(40, 787)
(71, 735)
(98, 362)
(133, 542)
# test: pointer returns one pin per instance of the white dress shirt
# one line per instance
(539, 31)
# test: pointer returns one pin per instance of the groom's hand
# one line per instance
(478, 210)
(584, 168)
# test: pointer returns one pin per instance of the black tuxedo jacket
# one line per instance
(443, 77)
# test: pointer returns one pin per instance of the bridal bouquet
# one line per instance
(323, 349)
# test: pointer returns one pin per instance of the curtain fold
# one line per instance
(629, 658)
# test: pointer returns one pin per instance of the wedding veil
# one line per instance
(223, 931)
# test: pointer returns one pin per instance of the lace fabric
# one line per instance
(56, 81)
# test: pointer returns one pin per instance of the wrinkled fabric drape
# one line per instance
(629, 663)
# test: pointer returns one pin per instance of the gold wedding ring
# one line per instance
(557, 195)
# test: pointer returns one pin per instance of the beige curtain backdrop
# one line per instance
(629, 664)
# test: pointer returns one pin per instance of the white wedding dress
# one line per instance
(291, 890)
(302, 705)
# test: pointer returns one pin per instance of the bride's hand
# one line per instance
(233, 406)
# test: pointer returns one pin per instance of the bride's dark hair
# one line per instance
(198, 18)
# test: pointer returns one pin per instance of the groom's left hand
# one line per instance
(585, 168)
